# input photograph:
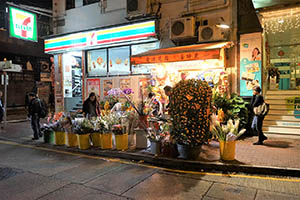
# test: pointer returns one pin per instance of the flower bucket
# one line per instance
(186, 152)
(84, 141)
(132, 141)
(49, 137)
(122, 142)
(72, 140)
(106, 141)
(141, 139)
(96, 139)
(227, 150)
(155, 147)
(60, 138)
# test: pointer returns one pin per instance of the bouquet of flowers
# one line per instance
(82, 127)
(118, 129)
(58, 121)
(228, 132)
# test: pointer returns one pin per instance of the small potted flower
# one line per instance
(48, 134)
(96, 134)
(227, 134)
(121, 136)
(106, 136)
(71, 136)
(83, 128)
(56, 123)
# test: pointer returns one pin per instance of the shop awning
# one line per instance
(183, 53)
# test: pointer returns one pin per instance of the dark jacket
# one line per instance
(34, 107)
(257, 100)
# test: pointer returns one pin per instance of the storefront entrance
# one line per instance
(72, 79)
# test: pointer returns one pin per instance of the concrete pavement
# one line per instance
(279, 156)
(28, 172)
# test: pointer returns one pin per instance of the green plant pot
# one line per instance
(49, 137)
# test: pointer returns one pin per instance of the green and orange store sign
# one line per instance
(22, 24)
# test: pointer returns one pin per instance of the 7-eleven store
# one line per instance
(98, 60)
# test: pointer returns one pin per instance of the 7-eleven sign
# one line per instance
(22, 24)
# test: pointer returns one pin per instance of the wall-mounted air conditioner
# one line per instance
(136, 8)
(208, 31)
(182, 28)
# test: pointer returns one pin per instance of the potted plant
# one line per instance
(71, 136)
(56, 123)
(129, 119)
(48, 134)
(106, 136)
(227, 134)
(96, 133)
(83, 128)
(121, 136)
(190, 104)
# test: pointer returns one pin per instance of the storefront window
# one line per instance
(119, 62)
(97, 62)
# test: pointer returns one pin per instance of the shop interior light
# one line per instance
(222, 24)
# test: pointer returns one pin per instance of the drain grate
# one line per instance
(7, 173)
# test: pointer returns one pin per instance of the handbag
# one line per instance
(262, 109)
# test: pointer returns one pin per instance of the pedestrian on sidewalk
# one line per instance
(257, 123)
(34, 109)
(1, 108)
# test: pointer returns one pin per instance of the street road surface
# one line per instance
(29, 172)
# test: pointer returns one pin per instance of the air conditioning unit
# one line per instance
(136, 8)
(44, 66)
(208, 31)
(182, 28)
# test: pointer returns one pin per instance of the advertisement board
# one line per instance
(22, 24)
(250, 62)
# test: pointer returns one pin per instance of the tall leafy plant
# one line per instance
(234, 107)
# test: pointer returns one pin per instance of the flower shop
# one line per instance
(198, 108)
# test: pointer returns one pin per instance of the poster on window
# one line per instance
(119, 63)
(93, 85)
(250, 62)
(97, 62)
(107, 85)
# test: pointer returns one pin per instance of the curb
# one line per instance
(180, 164)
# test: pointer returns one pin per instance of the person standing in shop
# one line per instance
(168, 90)
(90, 106)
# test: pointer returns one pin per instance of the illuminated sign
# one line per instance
(22, 24)
(100, 37)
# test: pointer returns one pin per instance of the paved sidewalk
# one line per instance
(278, 156)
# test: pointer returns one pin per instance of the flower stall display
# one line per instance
(227, 134)
(190, 104)
(121, 136)
(83, 128)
